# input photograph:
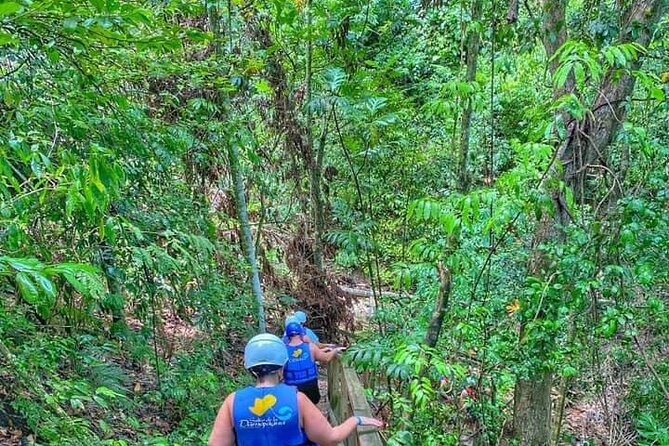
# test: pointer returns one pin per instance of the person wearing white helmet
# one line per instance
(275, 414)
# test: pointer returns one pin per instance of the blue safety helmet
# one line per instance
(292, 320)
(293, 329)
(301, 316)
(265, 349)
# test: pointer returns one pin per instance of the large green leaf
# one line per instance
(46, 285)
(27, 288)
(70, 268)
(22, 264)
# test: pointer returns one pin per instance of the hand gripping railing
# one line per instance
(347, 397)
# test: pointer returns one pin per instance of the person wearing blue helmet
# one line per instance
(275, 414)
(301, 369)
(303, 335)
(301, 317)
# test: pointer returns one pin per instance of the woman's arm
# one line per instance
(322, 356)
(320, 431)
(223, 433)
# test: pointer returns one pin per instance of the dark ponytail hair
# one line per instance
(260, 371)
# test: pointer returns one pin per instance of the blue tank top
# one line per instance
(267, 416)
(300, 368)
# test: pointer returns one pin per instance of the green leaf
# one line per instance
(610, 328)
(46, 285)
(427, 206)
(263, 87)
(561, 74)
(449, 222)
(8, 8)
(6, 38)
(76, 283)
(73, 200)
(579, 74)
(105, 391)
(568, 371)
(100, 401)
(23, 264)
(620, 56)
(27, 288)
(657, 94)
(110, 231)
(70, 268)
(334, 78)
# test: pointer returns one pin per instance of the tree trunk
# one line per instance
(247, 237)
(532, 410)
(554, 28)
(586, 141)
(316, 164)
(512, 14)
(317, 205)
(472, 48)
(444, 293)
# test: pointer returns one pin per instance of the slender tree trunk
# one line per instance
(443, 295)
(587, 140)
(117, 300)
(315, 166)
(472, 49)
(318, 206)
(247, 237)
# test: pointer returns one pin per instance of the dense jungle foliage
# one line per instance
(491, 176)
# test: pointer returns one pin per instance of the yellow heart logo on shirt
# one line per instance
(297, 353)
(262, 405)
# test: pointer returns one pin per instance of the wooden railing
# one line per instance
(347, 397)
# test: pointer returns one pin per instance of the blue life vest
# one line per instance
(300, 368)
(267, 416)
